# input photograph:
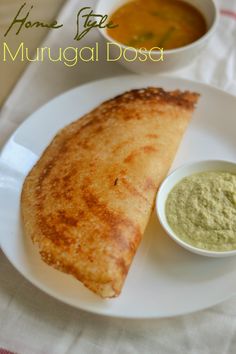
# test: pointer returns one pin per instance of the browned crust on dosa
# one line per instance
(87, 201)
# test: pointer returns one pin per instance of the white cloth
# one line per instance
(11, 71)
(32, 322)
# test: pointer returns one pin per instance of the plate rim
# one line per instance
(45, 289)
(120, 77)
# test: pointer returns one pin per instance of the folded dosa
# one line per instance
(87, 201)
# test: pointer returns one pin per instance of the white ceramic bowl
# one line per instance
(171, 181)
(173, 59)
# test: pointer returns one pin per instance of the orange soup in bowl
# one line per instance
(167, 24)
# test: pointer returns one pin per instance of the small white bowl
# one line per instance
(173, 59)
(172, 180)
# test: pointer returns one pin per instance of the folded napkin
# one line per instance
(31, 322)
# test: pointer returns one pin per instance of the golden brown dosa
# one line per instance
(87, 201)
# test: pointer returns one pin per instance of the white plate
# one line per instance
(164, 280)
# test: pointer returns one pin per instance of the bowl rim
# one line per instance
(190, 46)
(169, 231)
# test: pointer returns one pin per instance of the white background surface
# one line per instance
(32, 322)
(11, 71)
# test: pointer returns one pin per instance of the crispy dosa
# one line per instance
(87, 201)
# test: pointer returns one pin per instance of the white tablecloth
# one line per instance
(11, 71)
(32, 322)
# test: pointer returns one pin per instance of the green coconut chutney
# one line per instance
(201, 210)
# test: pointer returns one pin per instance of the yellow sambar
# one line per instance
(167, 24)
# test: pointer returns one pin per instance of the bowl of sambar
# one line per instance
(157, 36)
